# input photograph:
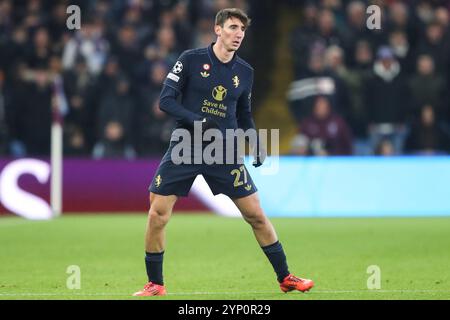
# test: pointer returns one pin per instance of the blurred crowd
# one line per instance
(103, 79)
(357, 91)
(362, 91)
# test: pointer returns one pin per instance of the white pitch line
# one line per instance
(380, 291)
(224, 293)
(313, 292)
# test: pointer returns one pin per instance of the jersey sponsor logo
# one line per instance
(178, 67)
(204, 74)
(173, 77)
(236, 81)
(206, 67)
(214, 108)
(248, 187)
(219, 93)
(158, 181)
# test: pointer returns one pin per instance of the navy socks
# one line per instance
(277, 258)
(274, 252)
(154, 266)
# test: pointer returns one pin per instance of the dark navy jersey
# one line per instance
(209, 89)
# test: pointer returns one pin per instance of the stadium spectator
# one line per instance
(428, 136)
(154, 125)
(434, 44)
(384, 148)
(75, 144)
(57, 25)
(386, 96)
(337, 8)
(109, 76)
(6, 17)
(399, 43)
(113, 143)
(79, 85)
(105, 10)
(327, 31)
(41, 50)
(332, 49)
(90, 43)
(117, 109)
(317, 81)
(164, 48)
(307, 41)
(355, 30)
(13, 48)
(182, 25)
(334, 60)
(127, 49)
(301, 38)
(327, 132)
(400, 21)
(32, 13)
(379, 101)
(203, 35)
(355, 78)
(324, 35)
(134, 18)
(33, 33)
(442, 17)
(32, 97)
(427, 87)
(424, 12)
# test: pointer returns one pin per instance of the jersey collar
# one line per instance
(216, 61)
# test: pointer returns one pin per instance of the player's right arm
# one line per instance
(173, 86)
(245, 121)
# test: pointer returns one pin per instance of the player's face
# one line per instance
(231, 34)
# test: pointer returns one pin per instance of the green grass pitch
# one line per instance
(211, 257)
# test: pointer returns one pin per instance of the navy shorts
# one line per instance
(232, 180)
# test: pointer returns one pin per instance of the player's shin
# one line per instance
(154, 267)
(277, 258)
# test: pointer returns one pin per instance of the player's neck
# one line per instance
(221, 53)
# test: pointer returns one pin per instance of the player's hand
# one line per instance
(260, 157)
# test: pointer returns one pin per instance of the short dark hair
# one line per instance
(225, 14)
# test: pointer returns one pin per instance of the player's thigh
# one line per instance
(250, 207)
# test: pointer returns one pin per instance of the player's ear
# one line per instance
(218, 30)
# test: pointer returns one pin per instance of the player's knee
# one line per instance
(254, 215)
(256, 219)
(158, 218)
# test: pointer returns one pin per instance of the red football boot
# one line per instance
(151, 289)
(291, 282)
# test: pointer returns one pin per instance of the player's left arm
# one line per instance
(245, 121)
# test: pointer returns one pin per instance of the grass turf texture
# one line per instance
(211, 257)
